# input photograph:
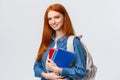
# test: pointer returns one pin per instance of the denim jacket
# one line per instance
(79, 68)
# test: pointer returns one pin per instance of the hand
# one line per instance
(51, 76)
(61, 79)
(50, 65)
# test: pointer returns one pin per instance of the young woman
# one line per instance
(57, 29)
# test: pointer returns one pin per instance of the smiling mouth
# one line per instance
(54, 26)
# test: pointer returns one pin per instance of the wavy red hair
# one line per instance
(48, 31)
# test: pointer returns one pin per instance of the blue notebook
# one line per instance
(62, 58)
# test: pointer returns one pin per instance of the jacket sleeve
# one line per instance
(79, 68)
(38, 69)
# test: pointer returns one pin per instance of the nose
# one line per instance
(53, 21)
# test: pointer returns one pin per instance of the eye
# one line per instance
(49, 18)
(57, 17)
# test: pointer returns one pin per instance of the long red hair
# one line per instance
(48, 31)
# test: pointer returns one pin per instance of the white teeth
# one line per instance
(54, 25)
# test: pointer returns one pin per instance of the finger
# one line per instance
(52, 62)
(48, 57)
(60, 77)
(49, 60)
(46, 60)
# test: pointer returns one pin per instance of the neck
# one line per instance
(58, 35)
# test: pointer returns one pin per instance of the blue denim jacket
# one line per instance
(79, 68)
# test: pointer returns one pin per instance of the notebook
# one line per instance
(62, 58)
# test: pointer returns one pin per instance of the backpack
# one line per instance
(91, 69)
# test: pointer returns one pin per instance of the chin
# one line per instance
(56, 29)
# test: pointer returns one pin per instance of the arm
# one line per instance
(55, 71)
(39, 72)
(79, 68)
(38, 69)
(51, 76)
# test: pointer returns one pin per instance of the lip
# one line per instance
(54, 26)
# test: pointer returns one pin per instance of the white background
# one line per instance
(21, 24)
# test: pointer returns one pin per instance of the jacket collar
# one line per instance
(61, 39)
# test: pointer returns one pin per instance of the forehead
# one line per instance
(53, 13)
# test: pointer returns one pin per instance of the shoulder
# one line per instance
(76, 40)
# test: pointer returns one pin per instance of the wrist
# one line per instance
(58, 70)
(44, 75)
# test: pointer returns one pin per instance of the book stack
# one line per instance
(62, 58)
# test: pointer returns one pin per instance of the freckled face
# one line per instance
(55, 20)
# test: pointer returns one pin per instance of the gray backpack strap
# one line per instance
(70, 46)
